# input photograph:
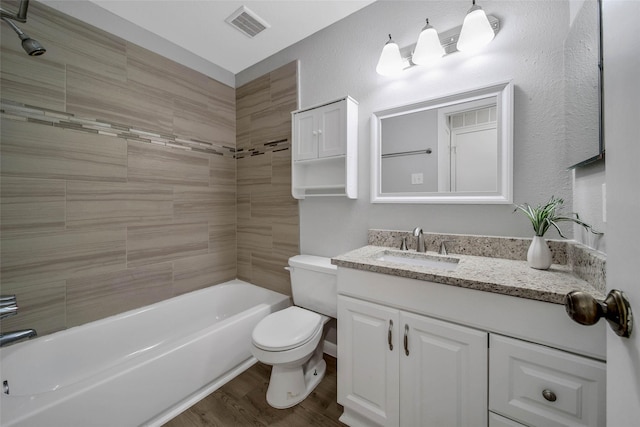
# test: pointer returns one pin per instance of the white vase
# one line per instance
(539, 254)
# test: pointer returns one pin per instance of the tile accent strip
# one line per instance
(21, 112)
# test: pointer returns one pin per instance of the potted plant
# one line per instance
(542, 218)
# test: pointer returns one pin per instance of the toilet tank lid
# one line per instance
(313, 262)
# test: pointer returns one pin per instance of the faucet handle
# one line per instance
(403, 245)
(443, 247)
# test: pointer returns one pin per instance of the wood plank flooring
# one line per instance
(242, 402)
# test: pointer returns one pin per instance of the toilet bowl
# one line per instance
(291, 340)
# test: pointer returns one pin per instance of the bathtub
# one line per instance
(142, 367)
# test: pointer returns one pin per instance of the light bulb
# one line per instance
(476, 30)
(390, 62)
(428, 47)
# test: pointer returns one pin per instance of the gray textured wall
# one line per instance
(341, 60)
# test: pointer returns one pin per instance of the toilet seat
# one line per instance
(286, 329)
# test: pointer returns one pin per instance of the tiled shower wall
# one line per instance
(268, 219)
(118, 176)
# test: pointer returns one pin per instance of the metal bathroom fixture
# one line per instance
(31, 46)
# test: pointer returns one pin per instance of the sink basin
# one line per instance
(420, 260)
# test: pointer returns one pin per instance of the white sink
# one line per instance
(421, 260)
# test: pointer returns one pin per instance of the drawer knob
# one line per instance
(586, 310)
(549, 395)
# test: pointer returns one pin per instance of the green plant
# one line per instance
(544, 216)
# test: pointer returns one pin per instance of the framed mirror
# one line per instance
(454, 149)
(583, 84)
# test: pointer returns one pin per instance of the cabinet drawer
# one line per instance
(541, 386)
(496, 420)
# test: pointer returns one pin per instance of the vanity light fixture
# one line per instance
(476, 30)
(428, 47)
(390, 62)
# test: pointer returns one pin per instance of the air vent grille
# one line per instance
(247, 22)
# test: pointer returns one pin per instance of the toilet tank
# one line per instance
(314, 284)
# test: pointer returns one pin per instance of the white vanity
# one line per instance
(424, 346)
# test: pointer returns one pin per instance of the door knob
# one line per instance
(586, 310)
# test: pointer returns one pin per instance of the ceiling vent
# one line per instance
(247, 22)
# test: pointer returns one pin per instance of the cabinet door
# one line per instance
(332, 130)
(367, 362)
(444, 377)
(305, 135)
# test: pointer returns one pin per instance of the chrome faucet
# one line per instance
(11, 337)
(9, 307)
(420, 246)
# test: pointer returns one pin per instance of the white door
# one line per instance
(444, 377)
(368, 349)
(622, 138)
(474, 159)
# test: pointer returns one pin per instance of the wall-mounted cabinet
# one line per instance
(325, 150)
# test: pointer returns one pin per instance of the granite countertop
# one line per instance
(498, 275)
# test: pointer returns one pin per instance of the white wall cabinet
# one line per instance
(325, 150)
(475, 358)
(401, 369)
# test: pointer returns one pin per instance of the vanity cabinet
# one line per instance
(402, 369)
(475, 358)
(324, 150)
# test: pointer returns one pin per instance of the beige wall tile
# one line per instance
(244, 206)
(271, 273)
(56, 256)
(275, 206)
(104, 205)
(92, 95)
(41, 307)
(255, 235)
(222, 237)
(254, 171)
(158, 243)
(245, 271)
(253, 97)
(222, 172)
(94, 297)
(284, 85)
(198, 272)
(36, 151)
(160, 165)
(31, 205)
(75, 43)
(243, 133)
(192, 120)
(273, 124)
(194, 204)
(32, 81)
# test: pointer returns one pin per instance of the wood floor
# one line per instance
(242, 402)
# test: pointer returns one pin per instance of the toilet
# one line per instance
(292, 340)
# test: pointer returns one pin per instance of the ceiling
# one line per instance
(199, 26)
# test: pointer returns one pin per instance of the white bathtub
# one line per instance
(142, 367)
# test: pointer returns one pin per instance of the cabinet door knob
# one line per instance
(390, 335)
(319, 131)
(315, 132)
(549, 395)
(586, 310)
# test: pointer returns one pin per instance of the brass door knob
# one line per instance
(586, 310)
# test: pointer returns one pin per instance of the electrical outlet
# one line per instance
(417, 178)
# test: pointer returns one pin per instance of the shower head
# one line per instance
(31, 46)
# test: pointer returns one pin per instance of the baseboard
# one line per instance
(331, 349)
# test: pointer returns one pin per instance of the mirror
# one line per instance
(583, 84)
(454, 149)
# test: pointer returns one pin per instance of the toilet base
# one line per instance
(290, 386)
